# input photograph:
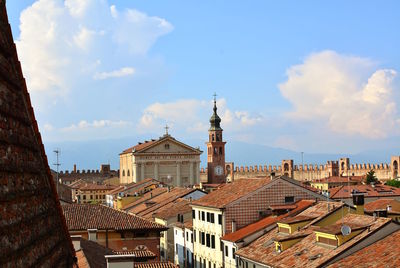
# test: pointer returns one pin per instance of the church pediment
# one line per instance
(169, 145)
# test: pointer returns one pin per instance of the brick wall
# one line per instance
(32, 226)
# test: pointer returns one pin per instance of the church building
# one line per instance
(165, 159)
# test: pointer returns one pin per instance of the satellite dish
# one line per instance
(346, 230)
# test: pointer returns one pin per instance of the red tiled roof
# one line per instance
(137, 253)
(89, 216)
(180, 206)
(151, 206)
(92, 254)
(263, 223)
(155, 265)
(230, 192)
(298, 218)
(338, 179)
(383, 204)
(307, 253)
(283, 206)
(383, 253)
(368, 190)
(147, 196)
(139, 146)
(95, 187)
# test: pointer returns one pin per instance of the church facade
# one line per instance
(165, 159)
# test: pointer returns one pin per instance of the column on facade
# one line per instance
(178, 174)
(156, 163)
(191, 178)
(197, 172)
(135, 176)
(142, 165)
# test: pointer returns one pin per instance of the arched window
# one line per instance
(286, 167)
(215, 151)
(395, 165)
(217, 137)
(213, 137)
(129, 173)
(123, 172)
(342, 165)
(220, 150)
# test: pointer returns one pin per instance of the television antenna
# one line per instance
(57, 164)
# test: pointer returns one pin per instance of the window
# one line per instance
(220, 150)
(226, 251)
(220, 219)
(221, 246)
(123, 172)
(128, 173)
(194, 236)
(247, 264)
(208, 217)
(208, 243)
(289, 199)
(91, 196)
(97, 197)
(166, 146)
(193, 214)
(104, 196)
(199, 215)
(84, 197)
(191, 238)
(203, 238)
(187, 236)
(212, 241)
(203, 216)
(176, 249)
(212, 218)
(213, 137)
(233, 253)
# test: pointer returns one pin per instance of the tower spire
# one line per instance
(215, 120)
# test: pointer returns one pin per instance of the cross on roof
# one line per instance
(166, 129)
(215, 96)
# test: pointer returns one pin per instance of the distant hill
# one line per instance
(90, 154)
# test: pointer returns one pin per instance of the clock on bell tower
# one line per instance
(215, 149)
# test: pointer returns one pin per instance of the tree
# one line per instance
(371, 178)
(393, 183)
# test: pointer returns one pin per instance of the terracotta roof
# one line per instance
(147, 196)
(95, 187)
(263, 223)
(131, 186)
(89, 216)
(368, 190)
(306, 253)
(137, 253)
(379, 254)
(139, 146)
(295, 219)
(155, 265)
(152, 205)
(383, 204)
(336, 229)
(283, 206)
(338, 179)
(179, 206)
(32, 227)
(230, 192)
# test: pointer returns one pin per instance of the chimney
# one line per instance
(233, 226)
(76, 241)
(74, 168)
(92, 235)
(151, 195)
(388, 208)
(358, 202)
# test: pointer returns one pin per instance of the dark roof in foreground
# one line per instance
(32, 227)
(94, 253)
(89, 216)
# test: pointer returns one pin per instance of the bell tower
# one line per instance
(215, 149)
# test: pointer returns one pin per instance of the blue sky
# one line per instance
(309, 76)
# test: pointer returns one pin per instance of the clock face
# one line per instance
(218, 170)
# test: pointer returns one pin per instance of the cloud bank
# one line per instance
(343, 93)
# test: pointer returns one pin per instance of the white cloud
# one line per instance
(60, 42)
(125, 71)
(96, 124)
(339, 91)
(192, 115)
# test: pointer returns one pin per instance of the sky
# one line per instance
(310, 76)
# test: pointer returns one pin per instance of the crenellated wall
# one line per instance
(307, 172)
